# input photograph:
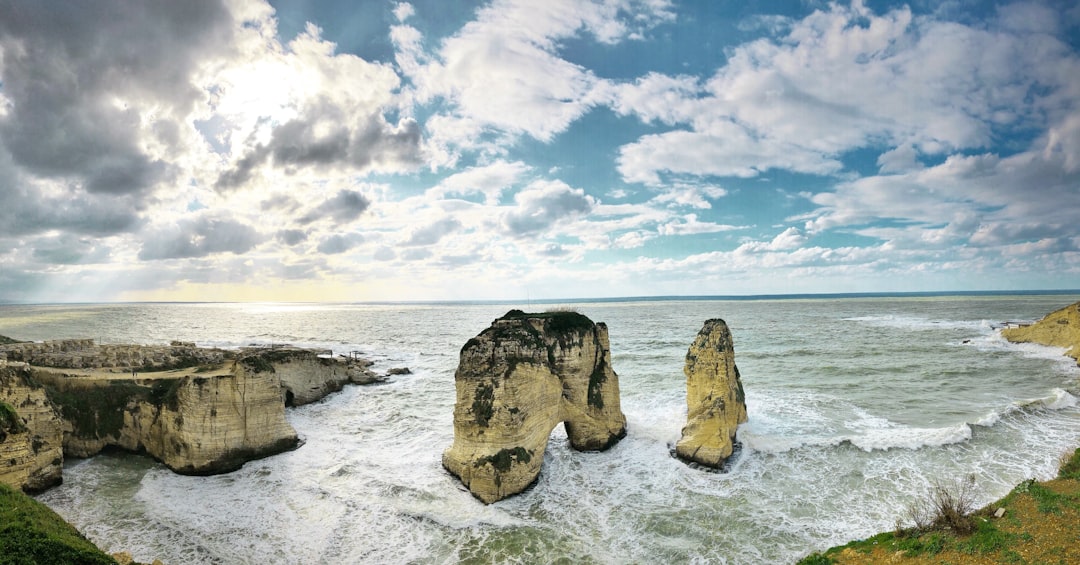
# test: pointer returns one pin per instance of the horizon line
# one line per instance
(583, 300)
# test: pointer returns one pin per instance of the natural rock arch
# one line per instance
(515, 382)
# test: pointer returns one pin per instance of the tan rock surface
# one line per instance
(32, 458)
(515, 382)
(1060, 328)
(714, 396)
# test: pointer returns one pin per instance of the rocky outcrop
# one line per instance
(714, 398)
(307, 377)
(515, 382)
(31, 432)
(1060, 328)
(193, 424)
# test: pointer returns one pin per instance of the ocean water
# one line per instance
(855, 407)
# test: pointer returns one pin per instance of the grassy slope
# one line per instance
(31, 533)
(1041, 524)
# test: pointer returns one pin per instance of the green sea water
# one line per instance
(855, 406)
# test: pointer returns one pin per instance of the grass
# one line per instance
(1040, 525)
(31, 533)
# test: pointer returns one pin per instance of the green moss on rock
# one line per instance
(505, 458)
(10, 422)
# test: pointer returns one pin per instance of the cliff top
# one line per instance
(1060, 328)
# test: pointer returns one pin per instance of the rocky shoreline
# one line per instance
(197, 410)
(1030, 531)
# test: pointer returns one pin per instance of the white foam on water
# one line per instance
(821, 463)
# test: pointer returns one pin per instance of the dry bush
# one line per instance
(948, 506)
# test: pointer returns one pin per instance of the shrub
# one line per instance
(948, 506)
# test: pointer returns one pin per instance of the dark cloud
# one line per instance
(77, 72)
(26, 209)
(291, 237)
(199, 238)
(540, 207)
(69, 250)
(430, 235)
(344, 207)
(323, 138)
(338, 243)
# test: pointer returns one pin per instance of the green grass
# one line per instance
(1071, 468)
(31, 533)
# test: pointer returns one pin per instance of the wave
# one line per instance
(921, 323)
(882, 439)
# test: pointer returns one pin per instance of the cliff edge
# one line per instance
(1060, 328)
(515, 382)
(716, 404)
(31, 432)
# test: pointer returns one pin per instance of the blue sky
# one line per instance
(435, 150)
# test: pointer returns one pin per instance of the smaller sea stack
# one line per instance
(715, 401)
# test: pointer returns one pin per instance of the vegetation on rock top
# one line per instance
(1039, 524)
(5, 340)
(10, 422)
(31, 533)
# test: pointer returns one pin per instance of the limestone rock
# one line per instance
(714, 397)
(31, 432)
(1060, 328)
(515, 382)
(194, 424)
(306, 377)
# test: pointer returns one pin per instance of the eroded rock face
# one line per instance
(515, 382)
(194, 425)
(305, 377)
(31, 432)
(714, 397)
(1060, 328)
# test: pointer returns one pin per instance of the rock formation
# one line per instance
(1060, 328)
(305, 377)
(714, 398)
(515, 382)
(31, 432)
(198, 411)
(193, 424)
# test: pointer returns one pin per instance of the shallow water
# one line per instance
(855, 406)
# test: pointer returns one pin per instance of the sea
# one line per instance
(857, 407)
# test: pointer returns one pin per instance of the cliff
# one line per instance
(31, 432)
(1060, 328)
(306, 377)
(515, 382)
(714, 397)
(193, 424)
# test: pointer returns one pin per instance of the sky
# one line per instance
(292, 150)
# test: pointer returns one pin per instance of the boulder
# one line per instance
(715, 401)
(515, 382)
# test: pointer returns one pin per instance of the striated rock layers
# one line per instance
(714, 398)
(31, 433)
(515, 382)
(1060, 328)
(194, 424)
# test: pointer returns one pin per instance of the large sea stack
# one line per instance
(515, 382)
(715, 401)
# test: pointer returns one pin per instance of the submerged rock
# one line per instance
(515, 382)
(1060, 328)
(715, 401)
